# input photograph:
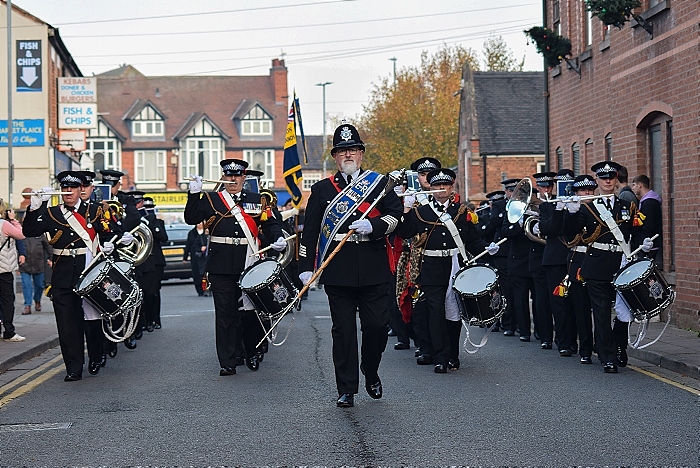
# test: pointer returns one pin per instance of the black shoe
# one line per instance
(103, 361)
(138, 334)
(509, 333)
(424, 359)
(227, 370)
(391, 332)
(440, 369)
(253, 363)
(565, 352)
(157, 326)
(524, 338)
(113, 353)
(130, 342)
(71, 377)
(417, 353)
(150, 327)
(261, 356)
(537, 336)
(546, 345)
(586, 360)
(402, 345)
(374, 390)
(94, 368)
(621, 357)
(610, 368)
(453, 364)
(346, 400)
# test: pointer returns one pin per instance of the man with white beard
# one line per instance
(358, 276)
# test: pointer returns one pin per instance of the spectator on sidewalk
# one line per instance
(196, 251)
(10, 258)
(32, 270)
(625, 192)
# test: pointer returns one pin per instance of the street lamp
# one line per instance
(394, 59)
(323, 85)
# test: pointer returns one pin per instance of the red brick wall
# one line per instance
(278, 77)
(496, 166)
(636, 81)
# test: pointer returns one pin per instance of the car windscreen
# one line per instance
(178, 233)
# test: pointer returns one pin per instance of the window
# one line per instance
(671, 202)
(201, 156)
(589, 26)
(262, 160)
(555, 17)
(656, 176)
(587, 153)
(150, 166)
(309, 180)
(256, 122)
(576, 159)
(608, 147)
(560, 158)
(102, 153)
(147, 128)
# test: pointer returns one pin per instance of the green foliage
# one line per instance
(613, 12)
(418, 115)
(498, 57)
(551, 45)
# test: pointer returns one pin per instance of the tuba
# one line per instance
(138, 251)
(522, 202)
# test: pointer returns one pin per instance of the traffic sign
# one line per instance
(28, 66)
(77, 116)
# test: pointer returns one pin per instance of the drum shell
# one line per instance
(645, 294)
(110, 290)
(479, 307)
(274, 295)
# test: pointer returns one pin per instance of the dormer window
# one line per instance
(147, 128)
(256, 122)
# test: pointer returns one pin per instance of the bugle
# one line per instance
(39, 192)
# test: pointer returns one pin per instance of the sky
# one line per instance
(349, 43)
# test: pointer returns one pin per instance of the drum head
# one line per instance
(123, 266)
(632, 272)
(474, 279)
(90, 276)
(258, 273)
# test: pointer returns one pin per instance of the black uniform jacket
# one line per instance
(519, 253)
(435, 271)
(491, 231)
(157, 227)
(227, 259)
(552, 226)
(600, 264)
(66, 268)
(132, 217)
(357, 263)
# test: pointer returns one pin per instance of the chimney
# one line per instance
(278, 78)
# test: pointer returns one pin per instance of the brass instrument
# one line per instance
(138, 251)
(285, 257)
(523, 202)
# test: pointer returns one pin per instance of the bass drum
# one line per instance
(108, 288)
(269, 288)
(478, 295)
(644, 289)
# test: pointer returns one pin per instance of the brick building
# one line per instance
(158, 130)
(501, 129)
(633, 97)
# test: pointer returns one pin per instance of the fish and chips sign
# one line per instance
(77, 102)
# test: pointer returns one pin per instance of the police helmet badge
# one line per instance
(345, 133)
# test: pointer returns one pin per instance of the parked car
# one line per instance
(174, 251)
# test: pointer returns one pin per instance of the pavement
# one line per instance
(677, 350)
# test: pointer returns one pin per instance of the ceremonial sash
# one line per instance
(79, 225)
(607, 217)
(447, 221)
(351, 198)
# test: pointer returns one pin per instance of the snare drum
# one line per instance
(478, 295)
(108, 288)
(269, 288)
(643, 288)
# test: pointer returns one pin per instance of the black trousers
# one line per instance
(402, 329)
(454, 330)
(545, 324)
(521, 302)
(602, 295)
(584, 323)
(226, 294)
(148, 281)
(252, 332)
(421, 327)
(508, 320)
(439, 334)
(7, 304)
(373, 308)
(68, 309)
(160, 270)
(562, 311)
(94, 337)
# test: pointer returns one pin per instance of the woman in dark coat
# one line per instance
(196, 251)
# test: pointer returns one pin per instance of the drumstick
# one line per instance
(485, 252)
(215, 181)
(636, 251)
(269, 246)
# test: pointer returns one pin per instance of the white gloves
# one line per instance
(398, 189)
(42, 195)
(362, 226)
(108, 248)
(305, 276)
(126, 239)
(492, 248)
(647, 244)
(410, 199)
(536, 228)
(196, 184)
(574, 205)
(521, 221)
(279, 245)
(561, 206)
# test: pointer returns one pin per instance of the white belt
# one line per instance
(608, 247)
(354, 237)
(228, 240)
(440, 253)
(580, 248)
(70, 252)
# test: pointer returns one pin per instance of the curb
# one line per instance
(672, 364)
(27, 354)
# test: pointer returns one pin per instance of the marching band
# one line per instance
(370, 240)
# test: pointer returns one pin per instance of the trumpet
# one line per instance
(39, 192)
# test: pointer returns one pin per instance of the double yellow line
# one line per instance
(46, 372)
(657, 377)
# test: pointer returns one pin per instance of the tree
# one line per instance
(419, 114)
(498, 57)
